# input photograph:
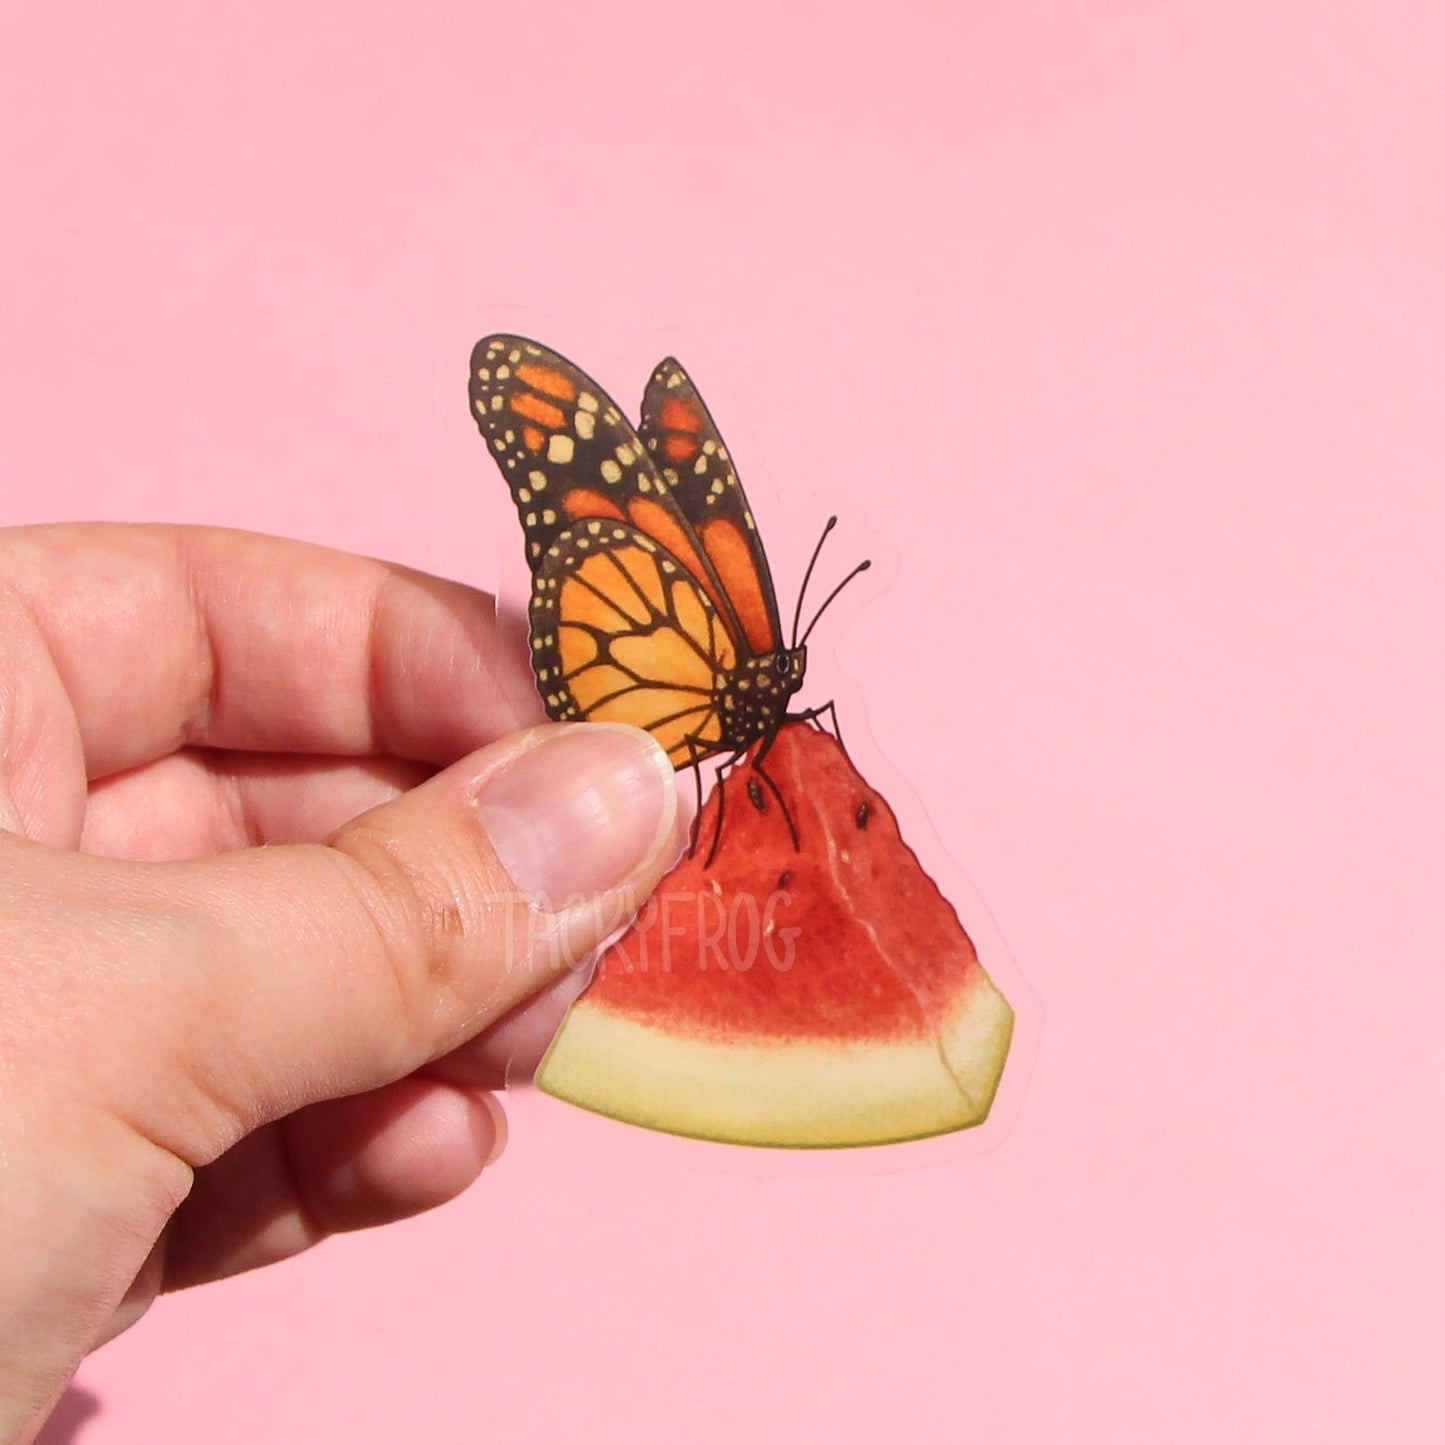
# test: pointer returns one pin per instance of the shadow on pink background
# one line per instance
(1125, 331)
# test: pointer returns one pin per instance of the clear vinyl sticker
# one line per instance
(800, 980)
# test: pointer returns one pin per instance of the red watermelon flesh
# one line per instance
(817, 994)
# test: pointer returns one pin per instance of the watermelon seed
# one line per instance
(755, 794)
(863, 814)
(784, 878)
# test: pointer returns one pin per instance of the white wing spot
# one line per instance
(503, 372)
(585, 422)
(560, 448)
(548, 516)
(587, 401)
(611, 472)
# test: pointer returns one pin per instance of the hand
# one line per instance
(213, 1053)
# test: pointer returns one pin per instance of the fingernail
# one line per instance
(498, 1142)
(580, 813)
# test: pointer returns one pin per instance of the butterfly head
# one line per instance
(757, 694)
(775, 676)
(790, 664)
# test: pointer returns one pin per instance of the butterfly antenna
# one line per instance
(803, 590)
(863, 566)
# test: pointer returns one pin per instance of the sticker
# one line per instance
(799, 980)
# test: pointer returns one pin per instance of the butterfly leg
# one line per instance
(695, 764)
(812, 714)
(769, 739)
(717, 826)
(782, 802)
(721, 801)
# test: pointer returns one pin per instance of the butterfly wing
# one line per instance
(683, 440)
(623, 632)
(569, 455)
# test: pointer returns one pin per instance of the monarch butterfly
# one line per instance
(652, 602)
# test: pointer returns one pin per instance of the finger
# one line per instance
(510, 1051)
(167, 636)
(198, 802)
(231, 991)
(341, 1165)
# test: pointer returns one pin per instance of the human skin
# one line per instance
(289, 877)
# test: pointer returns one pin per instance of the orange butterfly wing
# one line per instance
(568, 454)
(621, 632)
(651, 598)
(683, 440)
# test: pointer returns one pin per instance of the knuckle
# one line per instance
(429, 920)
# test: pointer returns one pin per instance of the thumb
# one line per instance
(290, 974)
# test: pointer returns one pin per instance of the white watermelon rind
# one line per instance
(789, 1094)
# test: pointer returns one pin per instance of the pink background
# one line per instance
(1119, 332)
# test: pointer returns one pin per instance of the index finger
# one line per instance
(165, 637)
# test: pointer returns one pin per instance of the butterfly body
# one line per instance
(652, 602)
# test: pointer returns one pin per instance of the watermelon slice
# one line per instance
(821, 994)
